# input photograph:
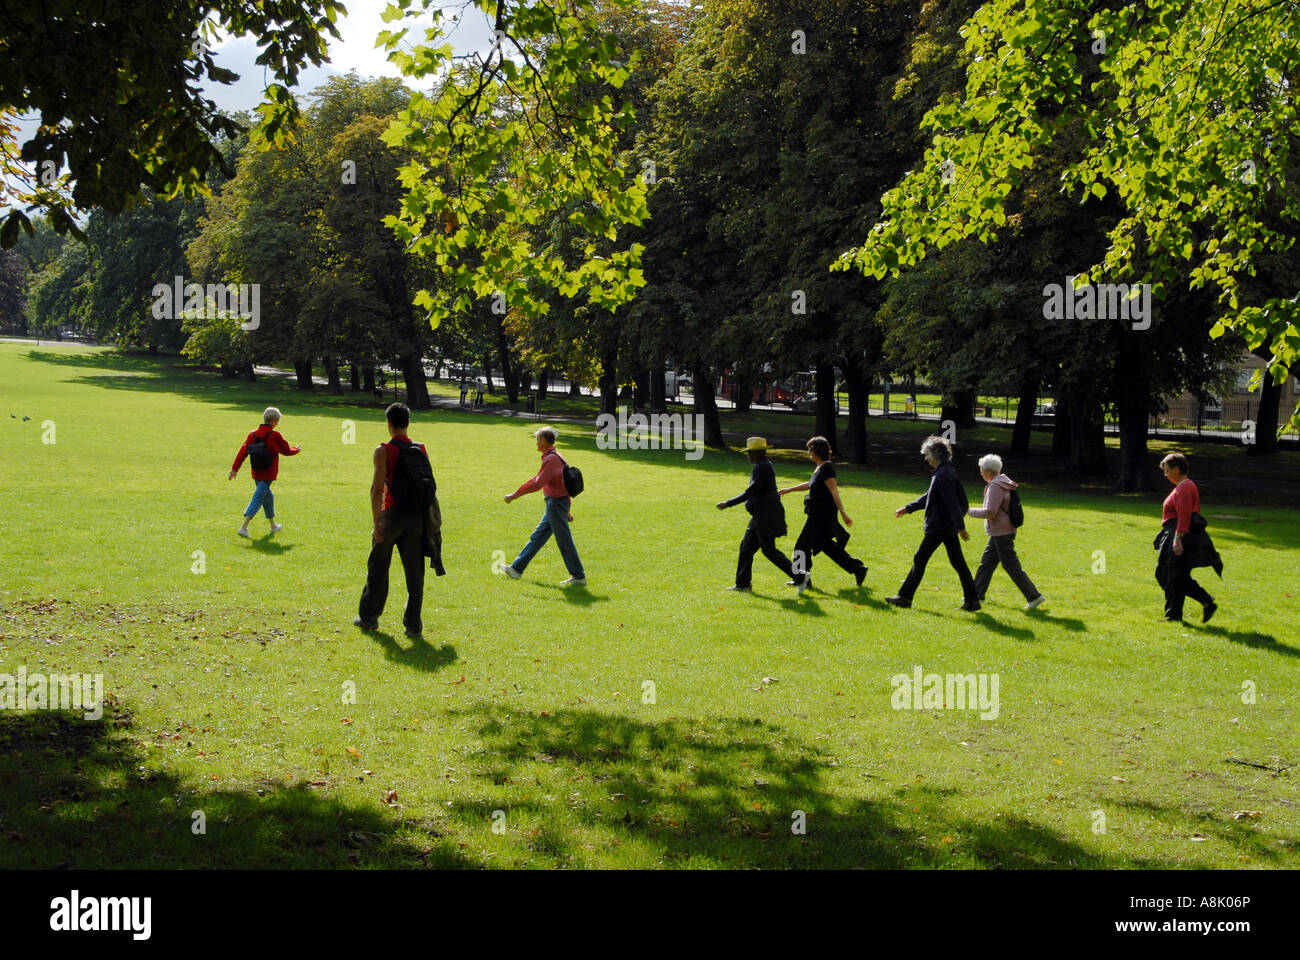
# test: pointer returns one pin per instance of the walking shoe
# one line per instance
(413, 634)
(243, 532)
(1035, 603)
(899, 601)
(804, 584)
(1208, 611)
(861, 575)
(511, 572)
(365, 624)
(277, 527)
(574, 582)
(969, 606)
(740, 589)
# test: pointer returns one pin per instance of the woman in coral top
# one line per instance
(1182, 504)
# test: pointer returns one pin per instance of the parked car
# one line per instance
(804, 404)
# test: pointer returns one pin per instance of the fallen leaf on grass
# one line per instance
(1246, 814)
(390, 797)
(352, 751)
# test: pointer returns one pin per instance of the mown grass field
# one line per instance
(1120, 741)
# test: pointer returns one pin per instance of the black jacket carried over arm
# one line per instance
(945, 503)
(762, 501)
(1198, 549)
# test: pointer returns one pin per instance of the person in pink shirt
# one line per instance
(1180, 507)
(556, 519)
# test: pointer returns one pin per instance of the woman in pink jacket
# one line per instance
(1001, 531)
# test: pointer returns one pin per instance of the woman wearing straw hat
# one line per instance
(766, 518)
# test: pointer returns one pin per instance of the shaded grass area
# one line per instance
(528, 710)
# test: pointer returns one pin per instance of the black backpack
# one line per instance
(259, 454)
(572, 479)
(1014, 510)
(412, 481)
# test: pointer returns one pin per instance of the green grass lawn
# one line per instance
(527, 709)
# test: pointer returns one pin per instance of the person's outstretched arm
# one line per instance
(282, 445)
(551, 468)
(751, 491)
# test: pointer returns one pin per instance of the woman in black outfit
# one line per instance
(945, 505)
(766, 517)
(822, 532)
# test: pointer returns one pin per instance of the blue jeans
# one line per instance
(554, 521)
(262, 497)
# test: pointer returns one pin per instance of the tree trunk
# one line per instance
(1024, 418)
(251, 373)
(575, 388)
(487, 375)
(959, 407)
(303, 369)
(356, 376)
(417, 390)
(743, 394)
(507, 364)
(825, 408)
(370, 379)
(1087, 440)
(706, 405)
(332, 373)
(609, 379)
(543, 381)
(1061, 439)
(855, 436)
(659, 390)
(1266, 420)
(1134, 413)
(229, 371)
(641, 390)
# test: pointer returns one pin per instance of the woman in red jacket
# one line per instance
(268, 445)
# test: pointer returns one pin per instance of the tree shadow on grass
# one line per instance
(579, 787)
(84, 795)
(1242, 835)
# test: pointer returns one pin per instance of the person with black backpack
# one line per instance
(559, 483)
(403, 505)
(945, 506)
(1002, 515)
(263, 447)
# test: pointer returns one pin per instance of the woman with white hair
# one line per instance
(1001, 548)
(945, 507)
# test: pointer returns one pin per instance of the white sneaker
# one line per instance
(277, 527)
(574, 582)
(1035, 603)
(511, 572)
(804, 584)
(243, 532)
